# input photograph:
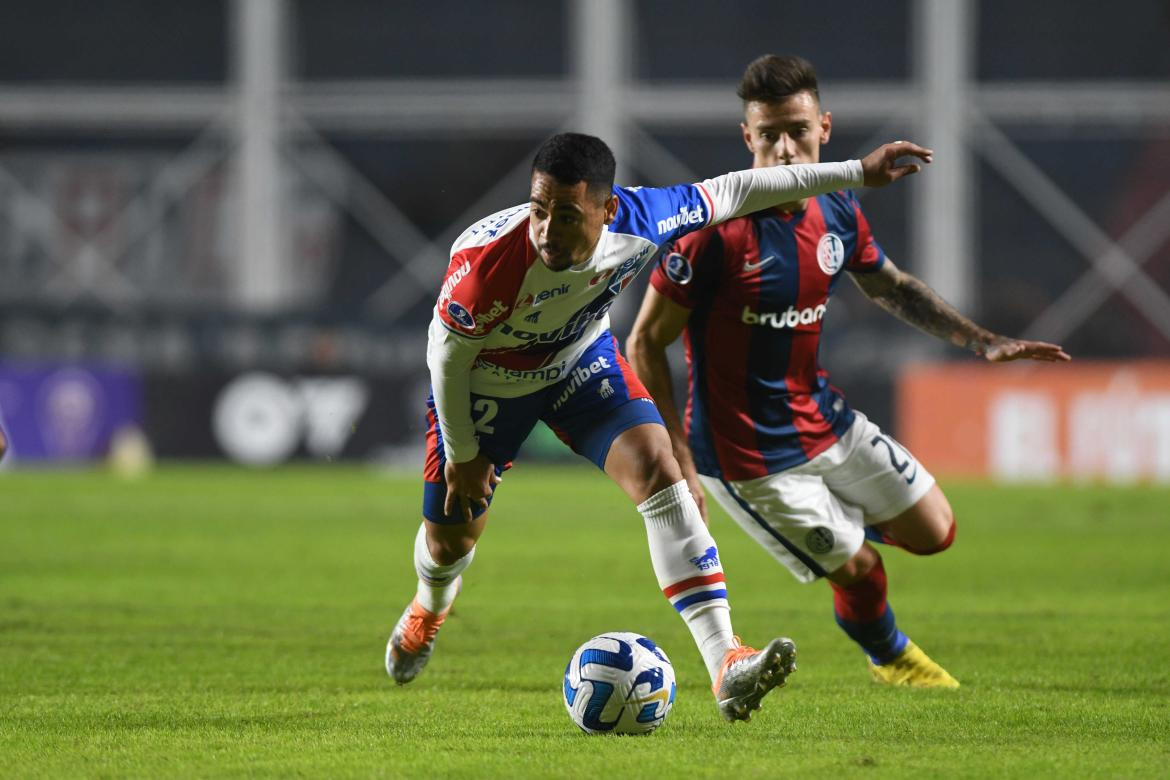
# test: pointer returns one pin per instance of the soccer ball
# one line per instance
(619, 683)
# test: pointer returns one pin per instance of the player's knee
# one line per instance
(447, 549)
(3, 445)
(943, 537)
(652, 470)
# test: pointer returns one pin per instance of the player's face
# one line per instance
(790, 131)
(566, 220)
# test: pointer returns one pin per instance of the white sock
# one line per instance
(686, 562)
(437, 585)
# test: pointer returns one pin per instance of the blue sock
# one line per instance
(864, 614)
(881, 640)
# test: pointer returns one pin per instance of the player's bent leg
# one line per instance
(926, 528)
(686, 563)
(864, 614)
(441, 553)
(641, 462)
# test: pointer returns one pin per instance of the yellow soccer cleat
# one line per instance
(913, 668)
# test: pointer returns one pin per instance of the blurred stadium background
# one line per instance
(223, 224)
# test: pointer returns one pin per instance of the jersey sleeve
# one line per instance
(688, 271)
(662, 214)
(479, 291)
(868, 255)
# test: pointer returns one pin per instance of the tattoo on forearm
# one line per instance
(912, 301)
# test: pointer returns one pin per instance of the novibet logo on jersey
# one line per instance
(789, 318)
(684, 216)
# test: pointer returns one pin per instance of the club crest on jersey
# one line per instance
(461, 315)
(819, 540)
(628, 270)
(830, 253)
(678, 268)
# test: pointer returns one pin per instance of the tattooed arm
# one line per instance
(909, 299)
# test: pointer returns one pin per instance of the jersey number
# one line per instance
(899, 467)
(488, 410)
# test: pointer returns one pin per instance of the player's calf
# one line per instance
(413, 638)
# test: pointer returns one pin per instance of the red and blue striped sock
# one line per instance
(686, 563)
(864, 614)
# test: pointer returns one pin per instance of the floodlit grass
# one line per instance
(208, 621)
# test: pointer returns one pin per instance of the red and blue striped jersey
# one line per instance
(758, 286)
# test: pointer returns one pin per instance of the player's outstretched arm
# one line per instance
(881, 166)
(739, 193)
(911, 300)
(659, 323)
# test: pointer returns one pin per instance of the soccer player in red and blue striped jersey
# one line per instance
(777, 445)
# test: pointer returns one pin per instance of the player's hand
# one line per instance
(881, 165)
(1002, 349)
(469, 484)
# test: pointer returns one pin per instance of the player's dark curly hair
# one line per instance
(772, 78)
(573, 157)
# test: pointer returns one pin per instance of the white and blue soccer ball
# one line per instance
(619, 683)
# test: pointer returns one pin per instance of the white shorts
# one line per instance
(812, 517)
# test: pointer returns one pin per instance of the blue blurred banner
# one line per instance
(66, 412)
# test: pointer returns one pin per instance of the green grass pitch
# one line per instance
(208, 621)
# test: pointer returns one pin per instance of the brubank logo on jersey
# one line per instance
(684, 216)
(454, 279)
(789, 318)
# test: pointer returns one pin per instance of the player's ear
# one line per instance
(747, 137)
(826, 126)
(611, 207)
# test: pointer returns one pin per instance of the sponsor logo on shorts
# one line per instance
(789, 318)
(461, 315)
(830, 253)
(708, 560)
(819, 540)
(678, 268)
(579, 376)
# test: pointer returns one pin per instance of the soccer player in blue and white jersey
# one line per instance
(779, 448)
(520, 334)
